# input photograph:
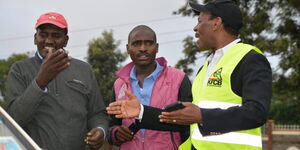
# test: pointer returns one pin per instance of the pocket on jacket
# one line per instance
(78, 86)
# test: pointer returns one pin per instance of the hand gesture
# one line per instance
(125, 108)
(53, 63)
(95, 139)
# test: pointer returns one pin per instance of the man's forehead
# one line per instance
(203, 15)
(142, 32)
(142, 35)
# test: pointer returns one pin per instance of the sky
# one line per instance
(87, 19)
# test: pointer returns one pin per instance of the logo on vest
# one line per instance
(215, 79)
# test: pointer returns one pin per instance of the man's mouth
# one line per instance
(143, 56)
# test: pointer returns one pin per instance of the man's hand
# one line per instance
(54, 63)
(95, 139)
(188, 115)
(124, 134)
(125, 108)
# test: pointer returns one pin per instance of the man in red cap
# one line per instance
(54, 97)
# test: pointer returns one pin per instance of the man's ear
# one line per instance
(127, 48)
(157, 47)
(35, 42)
(217, 23)
(66, 40)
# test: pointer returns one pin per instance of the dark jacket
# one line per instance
(60, 118)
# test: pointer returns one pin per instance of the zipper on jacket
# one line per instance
(143, 142)
(55, 86)
(173, 141)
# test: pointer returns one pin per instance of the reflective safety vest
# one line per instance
(217, 93)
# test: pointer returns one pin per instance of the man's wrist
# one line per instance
(140, 117)
(40, 85)
(45, 89)
(104, 135)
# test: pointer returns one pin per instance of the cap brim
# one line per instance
(197, 8)
(51, 22)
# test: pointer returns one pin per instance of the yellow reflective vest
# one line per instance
(217, 93)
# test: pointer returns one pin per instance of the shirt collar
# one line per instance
(228, 46)
(39, 55)
(154, 74)
(224, 49)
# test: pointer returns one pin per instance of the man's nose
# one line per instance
(49, 40)
(143, 47)
(195, 28)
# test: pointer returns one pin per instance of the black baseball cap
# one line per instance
(229, 12)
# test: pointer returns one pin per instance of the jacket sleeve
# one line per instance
(23, 96)
(150, 118)
(97, 116)
(185, 90)
(113, 124)
(252, 80)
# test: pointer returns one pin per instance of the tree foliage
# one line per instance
(190, 52)
(105, 59)
(285, 112)
(274, 27)
(5, 64)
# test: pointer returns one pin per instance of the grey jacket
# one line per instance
(60, 118)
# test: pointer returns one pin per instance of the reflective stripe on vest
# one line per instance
(217, 93)
(231, 137)
(215, 104)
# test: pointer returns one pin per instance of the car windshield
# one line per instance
(12, 136)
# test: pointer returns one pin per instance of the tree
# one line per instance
(274, 27)
(5, 64)
(105, 59)
(190, 53)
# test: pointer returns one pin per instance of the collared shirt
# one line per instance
(144, 94)
(215, 58)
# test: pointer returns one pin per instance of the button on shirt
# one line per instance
(215, 58)
(144, 94)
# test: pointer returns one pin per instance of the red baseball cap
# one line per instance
(52, 18)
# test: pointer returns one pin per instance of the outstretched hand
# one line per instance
(125, 108)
